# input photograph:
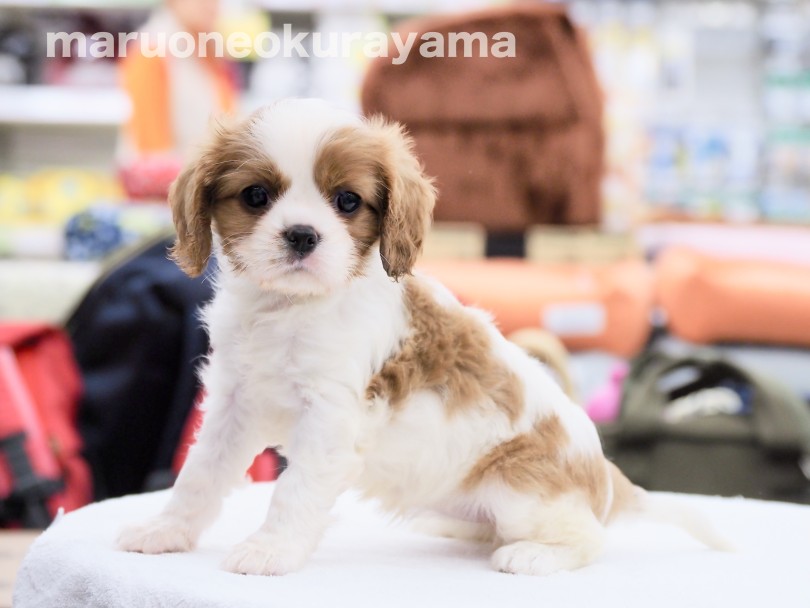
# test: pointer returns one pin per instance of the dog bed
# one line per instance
(713, 299)
(368, 560)
(602, 307)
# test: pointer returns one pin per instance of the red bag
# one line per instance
(41, 467)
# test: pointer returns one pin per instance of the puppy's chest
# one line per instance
(280, 361)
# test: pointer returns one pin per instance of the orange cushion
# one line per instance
(588, 307)
(709, 299)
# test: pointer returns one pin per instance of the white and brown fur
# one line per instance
(366, 375)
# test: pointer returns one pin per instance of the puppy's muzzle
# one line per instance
(302, 239)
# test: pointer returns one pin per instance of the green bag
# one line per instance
(758, 451)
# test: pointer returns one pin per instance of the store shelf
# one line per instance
(390, 7)
(63, 106)
(287, 6)
(789, 244)
(106, 5)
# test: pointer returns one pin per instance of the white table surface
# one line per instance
(367, 561)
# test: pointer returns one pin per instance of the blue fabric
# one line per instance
(138, 340)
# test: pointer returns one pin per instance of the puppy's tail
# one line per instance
(630, 500)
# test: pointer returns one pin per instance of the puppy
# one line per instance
(365, 376)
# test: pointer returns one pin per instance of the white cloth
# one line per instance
(366, 561)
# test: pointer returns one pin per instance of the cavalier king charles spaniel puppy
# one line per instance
(325, 344)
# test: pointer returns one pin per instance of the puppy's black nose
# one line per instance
(302, 239)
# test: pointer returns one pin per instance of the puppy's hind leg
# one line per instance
(540, 538)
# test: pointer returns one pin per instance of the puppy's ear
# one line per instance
(191, 210)
(408, 209)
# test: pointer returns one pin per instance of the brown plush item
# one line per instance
(512, 141)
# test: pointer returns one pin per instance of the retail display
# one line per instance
(706, 109)
(72, 213)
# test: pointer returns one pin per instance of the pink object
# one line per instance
(150, 177)
(603, 406)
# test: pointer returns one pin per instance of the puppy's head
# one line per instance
(302, 197)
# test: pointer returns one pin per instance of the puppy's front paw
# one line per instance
(262, 554)
(159, 535)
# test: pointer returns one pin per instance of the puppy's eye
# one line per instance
(255, 197)
(347, 202)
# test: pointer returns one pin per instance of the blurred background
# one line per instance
(634, 184)
(706, 107)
